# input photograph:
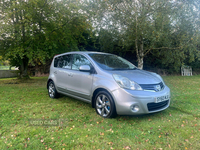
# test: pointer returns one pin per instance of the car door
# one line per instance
(62, 72)
(80, 83)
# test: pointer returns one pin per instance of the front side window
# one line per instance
(79, 60)
(111, 62)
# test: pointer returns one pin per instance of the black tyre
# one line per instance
(105, 105)
(52, 90)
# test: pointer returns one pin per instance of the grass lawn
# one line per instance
(6, 68)
(178, 127)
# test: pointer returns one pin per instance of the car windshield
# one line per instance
(112, 62)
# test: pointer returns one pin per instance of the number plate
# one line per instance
(161, 98)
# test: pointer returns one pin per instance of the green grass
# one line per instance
(178, 127)
(6, 68)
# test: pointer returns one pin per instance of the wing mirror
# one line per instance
(85, 68)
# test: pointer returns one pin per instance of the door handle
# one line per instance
(70, 74)
(55, 72)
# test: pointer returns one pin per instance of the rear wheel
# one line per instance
(105, 105)
(52, 90)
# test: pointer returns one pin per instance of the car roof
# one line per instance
(82, 52)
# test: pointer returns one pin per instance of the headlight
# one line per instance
(126, 83)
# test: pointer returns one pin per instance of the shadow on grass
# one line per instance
(137, 118)
(63, 99)
(142, 117)
(183, 111)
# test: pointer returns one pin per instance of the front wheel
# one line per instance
(105, 105)
(52, 90)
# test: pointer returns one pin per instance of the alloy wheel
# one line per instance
(103, 105)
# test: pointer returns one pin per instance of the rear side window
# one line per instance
(63, 61)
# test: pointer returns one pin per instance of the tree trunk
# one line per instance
(24, 68)
(25, 60)
(140, 63)
(141, 54)
(139, 51)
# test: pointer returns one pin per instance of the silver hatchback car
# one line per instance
(110, 83)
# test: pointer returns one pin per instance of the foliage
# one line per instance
(35, 30)
(3, 62)
(153, 33)
(166, 30)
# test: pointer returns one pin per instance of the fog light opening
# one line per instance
(135, 108)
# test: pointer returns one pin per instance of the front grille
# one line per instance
(157, 106)
(152, 87)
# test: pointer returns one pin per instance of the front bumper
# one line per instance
(145, 100)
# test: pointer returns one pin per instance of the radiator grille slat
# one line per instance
(153, 87)
(157, 106)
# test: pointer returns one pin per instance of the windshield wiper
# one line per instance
(124, 69)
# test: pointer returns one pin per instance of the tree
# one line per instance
(182, 38)
(35, 30)
(156, 26)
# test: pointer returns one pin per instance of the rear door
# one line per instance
(62, 72)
